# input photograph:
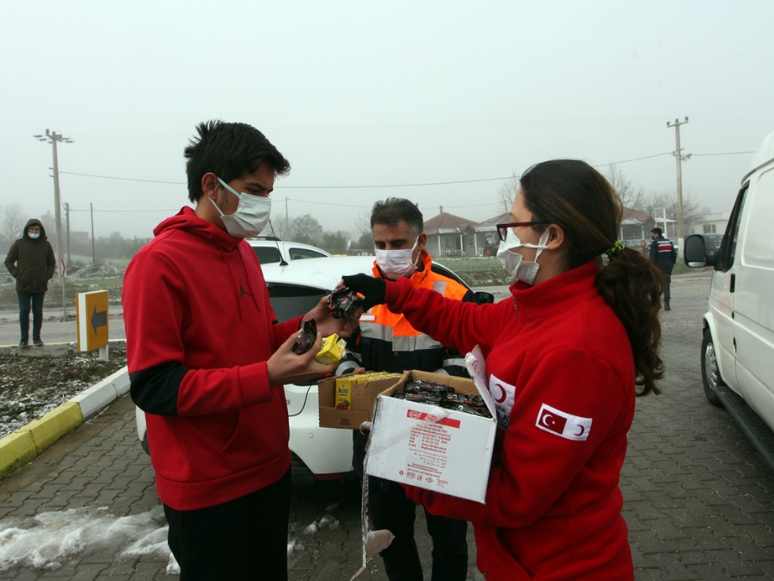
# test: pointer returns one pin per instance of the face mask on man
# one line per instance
(251, 216)
(513, 262)
(397, 263)
(33, 235)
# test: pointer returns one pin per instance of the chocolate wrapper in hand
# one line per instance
(306, 338)
(343, 303)
(372, 289)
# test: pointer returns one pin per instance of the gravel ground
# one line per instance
(32, 386)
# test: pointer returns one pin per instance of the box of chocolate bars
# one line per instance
(347, 401)
(435, 432)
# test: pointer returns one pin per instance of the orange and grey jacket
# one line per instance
(388, 342)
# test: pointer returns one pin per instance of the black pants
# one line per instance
(666, 280)
(391, 509)
(24, 314)
(244, 539)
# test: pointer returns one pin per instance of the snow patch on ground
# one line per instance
(48, 539)
(327, 521)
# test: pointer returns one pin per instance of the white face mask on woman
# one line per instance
(397, 263)
(513, 262)
(251, 216)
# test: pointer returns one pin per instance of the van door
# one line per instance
(754, 298)
(721, 297)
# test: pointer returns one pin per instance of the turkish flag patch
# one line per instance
(563, 424)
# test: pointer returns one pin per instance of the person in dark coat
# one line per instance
(663, 253)
(32, 263)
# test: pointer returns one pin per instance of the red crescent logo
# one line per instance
(582, 429)
(502, 392)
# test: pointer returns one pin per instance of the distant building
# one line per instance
(711, 223)
(450, 235)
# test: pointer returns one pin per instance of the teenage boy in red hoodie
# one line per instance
(207, 360)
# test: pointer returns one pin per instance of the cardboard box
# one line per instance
(363, 398)
(431, 447)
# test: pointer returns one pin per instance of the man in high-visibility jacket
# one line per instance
(387, 342)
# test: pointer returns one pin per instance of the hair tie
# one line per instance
(616, 247)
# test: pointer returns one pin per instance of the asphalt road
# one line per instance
(699, 501)
(54, 330)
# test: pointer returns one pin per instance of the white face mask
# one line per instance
(33, 235)
(251, 216)
(513, 262)
(397, 263)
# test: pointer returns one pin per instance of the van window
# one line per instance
(759, 244)
(727, 251)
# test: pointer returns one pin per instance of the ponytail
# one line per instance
(631, 284)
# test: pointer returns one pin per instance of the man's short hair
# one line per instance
(392, 210)
(656, 231)
(229, 150)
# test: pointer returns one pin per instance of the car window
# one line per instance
(267, 254)
(299, 253)
(290, 301)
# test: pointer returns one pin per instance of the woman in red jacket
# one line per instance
(565, 357)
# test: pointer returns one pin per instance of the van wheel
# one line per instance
(710, 375)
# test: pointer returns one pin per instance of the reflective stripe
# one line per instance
(409, 343)
(376, 331)
(439, 286)
(454, 361)
(414, 343)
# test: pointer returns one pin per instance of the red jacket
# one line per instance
(199, 330)
(560, 364)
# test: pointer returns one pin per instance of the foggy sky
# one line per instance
(377, 94)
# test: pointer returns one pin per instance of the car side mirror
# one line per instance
(696, 255)
(484, 297)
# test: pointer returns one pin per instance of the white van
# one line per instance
(738, 347)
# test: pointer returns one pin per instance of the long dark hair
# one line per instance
(575, 196)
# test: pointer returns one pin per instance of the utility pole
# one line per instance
(93, 248)
(680, 158)
(67, 221)
(53, 137)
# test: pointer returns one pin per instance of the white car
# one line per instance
(294, 289)
(270, 250)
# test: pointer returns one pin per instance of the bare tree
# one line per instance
(13, 222)
(362, 223)
(279, 227)
(506, 193)
(307, 229)
(631, 196)
(664, 204)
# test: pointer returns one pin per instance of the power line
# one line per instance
(730, 153)
(410, 185)
(89, 175)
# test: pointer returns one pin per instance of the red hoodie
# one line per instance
(199, 330)
(560, 366)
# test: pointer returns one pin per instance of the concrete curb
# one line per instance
(25, 444)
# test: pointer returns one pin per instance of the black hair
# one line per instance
(392, 210)
(229, 150)
(658, 231)
(572, 194)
